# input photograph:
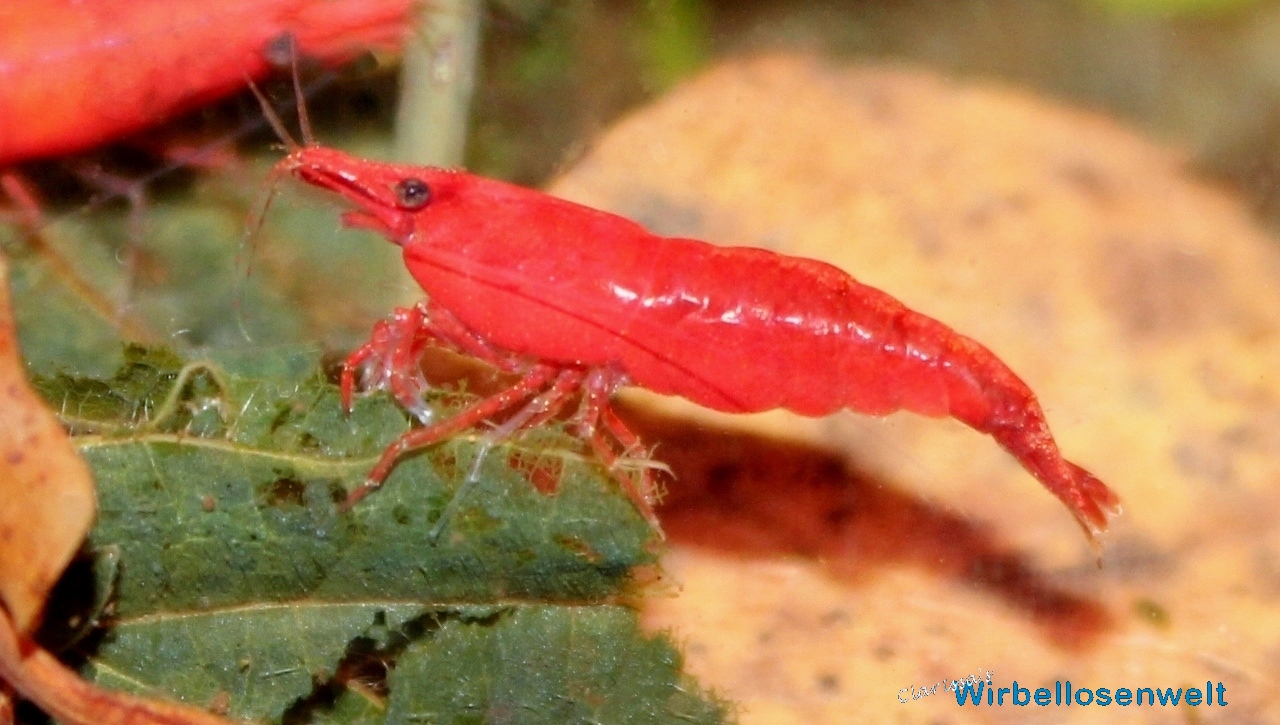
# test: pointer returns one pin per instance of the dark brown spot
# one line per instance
(220, 704)
(1161, 292)
(578, 547)
(1086, 179)
(829, 683)
(286, 491)
(400, 514)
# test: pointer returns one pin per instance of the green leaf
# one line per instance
(247, 510)
(539, 664)
(234, 572)
(265, 658)
(526, 663)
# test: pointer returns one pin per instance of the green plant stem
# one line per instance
(438, 77)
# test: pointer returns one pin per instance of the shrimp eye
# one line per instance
(413, 193)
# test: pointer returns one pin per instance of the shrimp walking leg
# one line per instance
(598, 387)
(641, 493)
(542, 408)
(448, 329)
(535, 380)
(536, 411)
(390, 359)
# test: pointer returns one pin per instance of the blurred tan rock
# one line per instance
(1142, 305)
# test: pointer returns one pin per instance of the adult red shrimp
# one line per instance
(573, 298)
(75, 74)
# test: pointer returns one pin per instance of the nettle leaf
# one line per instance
(481, 584)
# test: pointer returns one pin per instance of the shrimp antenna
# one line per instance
(248, 242)
(253, 225)
(272, 117)
(304, 121)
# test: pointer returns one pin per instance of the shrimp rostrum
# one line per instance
(579, 300)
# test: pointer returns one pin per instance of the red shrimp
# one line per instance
(575, 298)
(77, 73)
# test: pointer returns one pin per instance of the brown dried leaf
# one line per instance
(46, 493)
(60, 692)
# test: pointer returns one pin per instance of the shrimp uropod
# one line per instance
(573, 298)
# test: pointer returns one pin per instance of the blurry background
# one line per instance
(1204, 74)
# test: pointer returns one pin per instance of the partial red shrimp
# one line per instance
(77, 73)
(575, 298)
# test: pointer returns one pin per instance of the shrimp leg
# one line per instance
(542, 408)
(535, 380)
(599, 386)
(596, 385)
(390, 359)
